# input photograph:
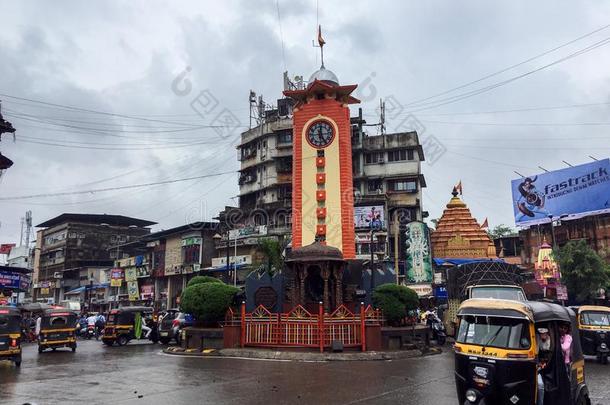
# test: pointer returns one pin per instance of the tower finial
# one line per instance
(454, 193)
(321, 42)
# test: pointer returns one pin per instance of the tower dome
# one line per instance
(324, 75)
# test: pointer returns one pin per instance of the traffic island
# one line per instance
(284, 355)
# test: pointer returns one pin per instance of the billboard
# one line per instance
(573, 192)
(419, 259)
(369, 216)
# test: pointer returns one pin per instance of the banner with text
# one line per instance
(572, 192)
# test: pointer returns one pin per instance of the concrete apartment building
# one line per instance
(77, 250)
(386, 170)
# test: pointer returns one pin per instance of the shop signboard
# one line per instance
(147, 291)
(419, 259)
(562, 292)
(259, 230)
(422, 290)
(116, 277)
(14, 281)
(142, 271)
(568, 193)
(132, 290)
(131, 274)
(191, 241)
(369, 216)
(440, 292)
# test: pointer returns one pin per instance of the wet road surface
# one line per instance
(140, 374)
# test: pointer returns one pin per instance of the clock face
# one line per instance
(320, 134)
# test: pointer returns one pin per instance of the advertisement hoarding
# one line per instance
(116, 277)
(572, 192)
(419, 259)
(369, 216)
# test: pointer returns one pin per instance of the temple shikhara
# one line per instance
(459, 235)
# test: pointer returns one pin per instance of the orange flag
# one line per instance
(459, 187)
(485, 224)
(320, 39)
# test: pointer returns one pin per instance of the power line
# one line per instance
(279, 22)
(472, 93)
(100, 190)
(509, 67)
(521, 124)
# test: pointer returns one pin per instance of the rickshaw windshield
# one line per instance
(9, 323)
(595, 318)
(508, 333)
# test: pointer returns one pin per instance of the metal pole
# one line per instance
(90, 292)
(235, 263)
(372, 262)
(396, 234)
(228, 256)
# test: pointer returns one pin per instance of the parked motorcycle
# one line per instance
(438, 328)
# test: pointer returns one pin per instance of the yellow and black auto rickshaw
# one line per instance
(504, 348)
(10, 334)
(594, 328)
(57, 329)
(125, 324)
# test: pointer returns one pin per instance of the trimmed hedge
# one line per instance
(395, 301)
(202, 280)
(208, 302)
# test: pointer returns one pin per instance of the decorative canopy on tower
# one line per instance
(459, 235)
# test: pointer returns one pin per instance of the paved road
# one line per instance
(139, 374)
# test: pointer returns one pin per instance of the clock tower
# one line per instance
(322, 187)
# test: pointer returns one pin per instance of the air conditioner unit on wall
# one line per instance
(58, 275)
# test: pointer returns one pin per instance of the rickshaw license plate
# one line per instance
(163, 333)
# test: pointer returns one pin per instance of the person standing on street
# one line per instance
(566, 345)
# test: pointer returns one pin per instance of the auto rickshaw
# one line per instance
(594, 328)
(499, 354)
(125, 324)
(10, 334)
(57, 329)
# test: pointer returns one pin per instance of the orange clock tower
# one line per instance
(322, 188)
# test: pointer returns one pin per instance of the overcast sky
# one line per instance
(125, 58)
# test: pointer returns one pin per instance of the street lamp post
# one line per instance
(372, 260)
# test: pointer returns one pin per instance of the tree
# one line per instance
(500, 231)
(583, 271)
(272, 251)
(208, 302)
(395, 301)
(202, 280)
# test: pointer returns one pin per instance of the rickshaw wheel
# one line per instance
(73, 347)
(40, 349)
(54, 349)
(122, 340)
(604, 359)
(17, 363)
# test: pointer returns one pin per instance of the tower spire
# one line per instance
(321, 42)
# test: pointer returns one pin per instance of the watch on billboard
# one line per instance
(568, 193)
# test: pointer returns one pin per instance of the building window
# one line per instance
(375, 185)
(284, 136)
(408, 186)
(374, 157)
(190, 254)
(400, 155)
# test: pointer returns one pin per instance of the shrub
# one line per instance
(202, 280)
(395, 301)
(208, 302)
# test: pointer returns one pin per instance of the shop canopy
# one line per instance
(225, 268)
(458, 262)
(85, 288)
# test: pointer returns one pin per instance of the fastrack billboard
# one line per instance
(573, 192)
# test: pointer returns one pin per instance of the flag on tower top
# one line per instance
(458, 187)
(320, 39)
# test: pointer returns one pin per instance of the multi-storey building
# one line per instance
(76, 250)
(386, 172)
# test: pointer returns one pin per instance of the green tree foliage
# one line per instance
(395, 301)
(500, 231)
(583, 271)
(202, 280)
(272, 250)
(208, 302)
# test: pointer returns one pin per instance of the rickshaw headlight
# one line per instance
(471, 395)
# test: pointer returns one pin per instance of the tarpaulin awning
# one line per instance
(84, 288)
(225, 268)
(457, 262)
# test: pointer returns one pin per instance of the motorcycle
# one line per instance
(91, 332)
(438, 329)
